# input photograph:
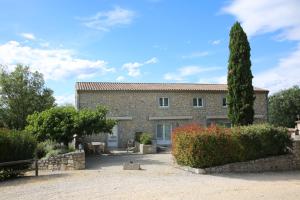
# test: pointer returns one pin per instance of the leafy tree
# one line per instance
(22, 93)
(240, 90)
(284, 106)
(61, 123)
(93, 121)
(55, 124)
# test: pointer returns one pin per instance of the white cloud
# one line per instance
(133, 68)
(173, 77)
(151, 61)
(216, 79)
(86, 76)
(105, 20)
(55, 64)
(272, 16)
(284, 75)
(65, 99)
(28, 36)
(45, 44)
(186, 71)
(264, 16)
(197, 54)
(120, 78)
(216, 42)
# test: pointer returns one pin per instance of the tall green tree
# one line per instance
(284, 106)
(22, 92)
(240, 96)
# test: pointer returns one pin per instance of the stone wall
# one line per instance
(275, 163)
(68, 161)
(139, 111)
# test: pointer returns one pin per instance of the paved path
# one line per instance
(105, 179)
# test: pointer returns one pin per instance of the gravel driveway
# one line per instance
(105, 179)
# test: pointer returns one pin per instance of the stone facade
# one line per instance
(68, 161)
(139, 111)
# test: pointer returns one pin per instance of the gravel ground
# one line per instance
(105, 179)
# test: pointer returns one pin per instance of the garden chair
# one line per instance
(130, 145)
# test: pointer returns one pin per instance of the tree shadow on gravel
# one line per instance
(100, 161)
(32, 179)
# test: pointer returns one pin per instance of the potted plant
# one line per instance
(137, 141)
(146, 145)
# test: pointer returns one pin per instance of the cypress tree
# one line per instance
(240, 96)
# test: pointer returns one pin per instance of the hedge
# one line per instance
(201, 147)
(15, 145)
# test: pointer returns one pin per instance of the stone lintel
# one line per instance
(120, 118)
(170, 117)
(226, 117)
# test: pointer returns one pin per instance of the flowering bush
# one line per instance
(201, 147)
(196, 146)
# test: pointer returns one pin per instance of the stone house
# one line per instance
(157, 108)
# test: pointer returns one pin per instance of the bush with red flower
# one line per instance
(201, 147)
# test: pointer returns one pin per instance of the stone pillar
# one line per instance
(296, 147)
(298, 124)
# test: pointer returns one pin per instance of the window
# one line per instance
(197, 102)
(164, 102)
(159, 132)
(224, 102)
(163, 133)
(221, 123)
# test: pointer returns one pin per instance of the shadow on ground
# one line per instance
(31, 178)
(103, 161)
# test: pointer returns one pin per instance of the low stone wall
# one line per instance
(68, 161)
(276, 163)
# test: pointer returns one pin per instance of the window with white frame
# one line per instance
(163, 102)
(197, 102)
(224, 102)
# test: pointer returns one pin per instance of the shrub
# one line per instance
(137, 136)
(262, 140)
(200, 147)
(40, 150)
(49, 148)
(15, 145)
(43, 148)
(203, 147)
(146, 138)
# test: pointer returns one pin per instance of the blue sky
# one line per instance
(148, 40)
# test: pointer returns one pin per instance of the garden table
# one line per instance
(97, 145)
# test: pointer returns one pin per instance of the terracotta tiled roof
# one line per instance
(113, 86)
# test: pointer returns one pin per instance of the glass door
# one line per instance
(163, 134)
(112, 139)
